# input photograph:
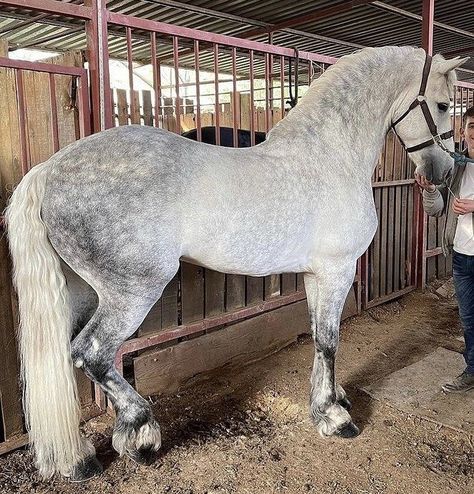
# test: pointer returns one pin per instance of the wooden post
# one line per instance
(3, 48)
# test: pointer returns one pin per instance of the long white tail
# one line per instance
(49, 387)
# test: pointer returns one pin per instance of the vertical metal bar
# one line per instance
(176, 79)
(361, 280)
(427, 26)
(156, 79)
(24, 154)
(216, 91)
(462, 110)
(98, 58)
(394, 156)
(427, 44)
(130, 73)
(235, 125)
(54, 112)
(282, 85)
(267, 93)
(84, 110)
(455, 119)
(270, 84)
(198, 91)
(252, 109)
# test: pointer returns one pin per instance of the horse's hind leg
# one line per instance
(326, 292)
(84, 300)
(117, 317)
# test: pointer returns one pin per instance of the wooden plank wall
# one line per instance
(390, 253)
(40, 147)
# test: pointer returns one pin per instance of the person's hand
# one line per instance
(424, 183)
(463, 206)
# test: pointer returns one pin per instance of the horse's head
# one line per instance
(422, 118)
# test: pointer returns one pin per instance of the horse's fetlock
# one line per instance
(136, 434)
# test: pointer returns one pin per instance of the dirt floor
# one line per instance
(248, 430)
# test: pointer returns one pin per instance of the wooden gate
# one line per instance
(44, 107)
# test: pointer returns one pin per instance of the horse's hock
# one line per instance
(204, 320)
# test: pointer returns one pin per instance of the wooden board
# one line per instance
(147, 108)
(403, 237)
(397, 261)
(272, 286)
(383, 242)
(122, 107)
(214, 293)
(135, 108)
(235, 291)
(10, 164)
(254, 290)
(288, 283)
(3, 48)
(165, 370)
(390, 238)
(38, 113)
(10, 395)
(192, 292)
(375, 258)
(169, 303)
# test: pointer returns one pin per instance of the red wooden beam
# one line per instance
(316, 15)
(52, 7)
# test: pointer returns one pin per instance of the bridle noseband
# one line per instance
(436, 138)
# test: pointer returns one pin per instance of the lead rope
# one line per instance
(294, 100)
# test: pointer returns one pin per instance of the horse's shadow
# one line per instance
(402, 352)
(219, 406)
(201, 413)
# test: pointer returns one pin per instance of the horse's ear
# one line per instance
(448, 65)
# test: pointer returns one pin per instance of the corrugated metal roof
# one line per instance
(373, 24)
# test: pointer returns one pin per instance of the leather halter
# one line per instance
(421, 101)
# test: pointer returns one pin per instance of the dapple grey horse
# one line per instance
(116, 211)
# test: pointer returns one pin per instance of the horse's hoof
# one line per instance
(86, 469)
(143, 456)
(348, 431)
(345, 403)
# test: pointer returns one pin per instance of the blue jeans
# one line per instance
(463, 274)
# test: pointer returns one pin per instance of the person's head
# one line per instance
(467, 131)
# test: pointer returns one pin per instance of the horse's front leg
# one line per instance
(326, 292)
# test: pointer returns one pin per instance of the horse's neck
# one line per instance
(346, 118)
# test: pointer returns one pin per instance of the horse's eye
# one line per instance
(443, 107)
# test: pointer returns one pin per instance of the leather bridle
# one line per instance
(436, 138)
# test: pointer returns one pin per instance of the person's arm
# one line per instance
(435, 197)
